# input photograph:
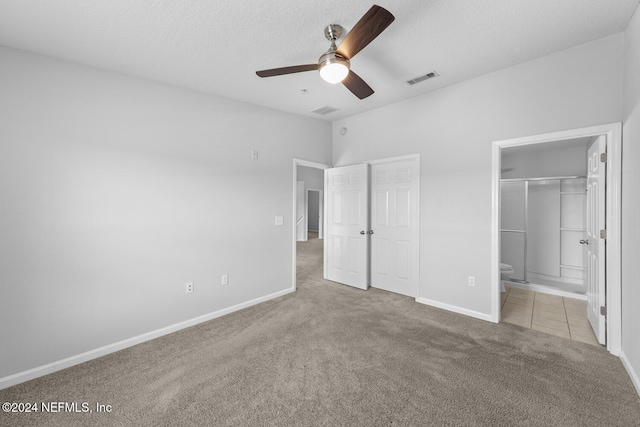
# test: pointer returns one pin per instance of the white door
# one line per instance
(394, 227)
(595, 246)
(346, 239)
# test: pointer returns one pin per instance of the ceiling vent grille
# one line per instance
(324, 110)
(423, 78)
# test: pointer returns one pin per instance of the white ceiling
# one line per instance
(215, 46)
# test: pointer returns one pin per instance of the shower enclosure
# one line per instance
(543, 231)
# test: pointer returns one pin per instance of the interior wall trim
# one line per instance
(77, 359)
(635, 379)
(456, 309)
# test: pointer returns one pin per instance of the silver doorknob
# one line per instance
(584, 242)
(370, 231)
(362, 232)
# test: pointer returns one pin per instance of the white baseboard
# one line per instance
(635, 379)
(456, 309)
(545, 290)
(49, 368)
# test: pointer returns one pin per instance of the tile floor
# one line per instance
(555, 315)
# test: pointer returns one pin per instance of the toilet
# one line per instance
(506, 271)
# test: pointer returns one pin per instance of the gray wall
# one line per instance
(116, 191)
(313, 179)
(313, 210)
(558, 161)
(631, 200)
(453, 129)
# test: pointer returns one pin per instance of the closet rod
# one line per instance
(542, 179)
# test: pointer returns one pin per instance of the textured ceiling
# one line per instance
(215, 46)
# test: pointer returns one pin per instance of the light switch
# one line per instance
(254, 155)
(279, 220)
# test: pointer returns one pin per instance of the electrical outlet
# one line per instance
(225, 280)
(472, 281)
(189, 287)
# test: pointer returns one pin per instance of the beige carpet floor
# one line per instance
(330, 355)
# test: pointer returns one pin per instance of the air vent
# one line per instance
(324, 110)
(423, 78)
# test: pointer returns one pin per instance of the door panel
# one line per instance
(403, 252)
(381, 208)
(394, 215)
(595, 246)
(347, 203)
(403, 206)
(382, 256)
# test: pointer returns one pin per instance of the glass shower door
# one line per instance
(513, 227)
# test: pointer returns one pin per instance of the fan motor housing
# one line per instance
(332, 58)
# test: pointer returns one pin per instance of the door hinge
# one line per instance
(603, 157)
(603, 310)
(603, 234)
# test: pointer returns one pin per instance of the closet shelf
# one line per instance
(583, 193)
(572, 229)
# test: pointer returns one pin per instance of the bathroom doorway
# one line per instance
(539, 197)
(543, 216)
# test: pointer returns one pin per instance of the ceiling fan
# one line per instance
(333, 65)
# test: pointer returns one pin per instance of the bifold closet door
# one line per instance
(347, 225)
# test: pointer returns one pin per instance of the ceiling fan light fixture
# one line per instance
(333, 67)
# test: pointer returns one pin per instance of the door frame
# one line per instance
(613, 132)
(307, 163)
(310, 164)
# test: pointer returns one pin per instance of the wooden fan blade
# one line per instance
(374, 22)
(287, 70)
(357, 86)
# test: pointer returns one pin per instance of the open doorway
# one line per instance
(511, 235)
(308, 224)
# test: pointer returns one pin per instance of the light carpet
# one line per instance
(331, 355)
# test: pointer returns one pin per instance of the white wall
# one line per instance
(453, 129)
(631, 200)
(116, 191)
(313, 210)
(312, 177)
(538, 163)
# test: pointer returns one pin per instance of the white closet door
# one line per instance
(347, 224)
(394, 227)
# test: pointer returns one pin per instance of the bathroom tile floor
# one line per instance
(552, 314)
